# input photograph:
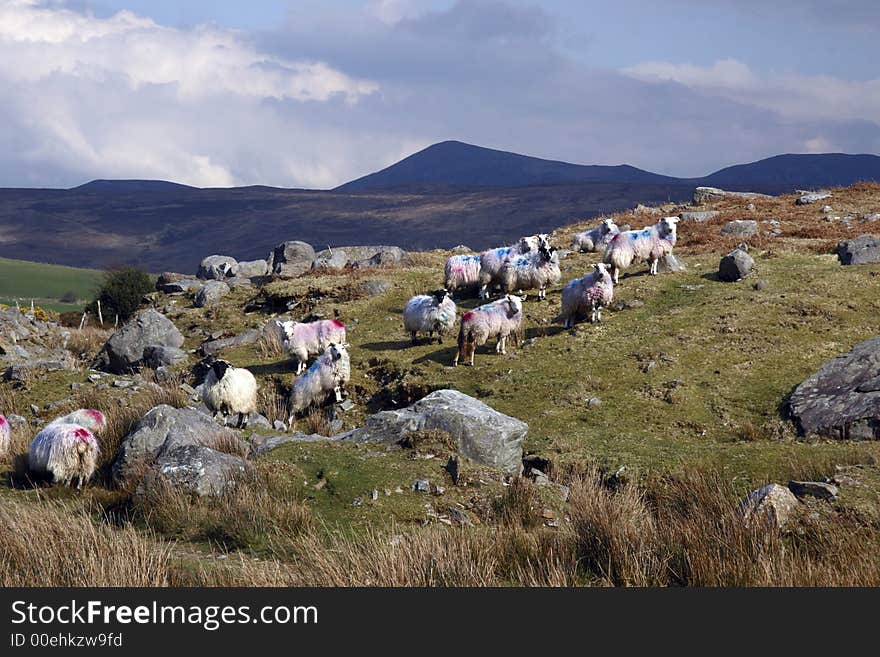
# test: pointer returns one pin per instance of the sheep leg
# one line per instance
(413, 337)
(472, 347)
(616, 272)
(338, 392)
(653, 267)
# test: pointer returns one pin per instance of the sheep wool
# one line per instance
(595, 238)
(493, 260)
(93, 420)
(462, 272)
(329, 373)
(588, 294)
(532, 271)
(5, 436)
(429, 313)
(229, 389)
(305, 339)
(499, 319)
(66, 452)
(649, 244)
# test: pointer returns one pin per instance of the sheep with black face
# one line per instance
(429, 313)
(229, 389)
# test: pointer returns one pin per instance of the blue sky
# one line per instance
(314, 93)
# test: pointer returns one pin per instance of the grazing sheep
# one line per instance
(305, 339)
(94, 421)
(327, 374)
(650, 244)
(462, 272)
(589, 293)
(529, 272)
(426, 313)
(493, 260)
(229, 389)
(499, 319)
(5, 437)
(65, 451)
(595, 238)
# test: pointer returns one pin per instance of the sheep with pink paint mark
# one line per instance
(462, 272)
(500, 319)
(646, 245)
(305, 339)
(65, 452)
(5, 436)
(93, 420)
(587, 295)
(493, 260)
(590, 241)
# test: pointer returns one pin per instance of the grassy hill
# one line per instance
(23, 281)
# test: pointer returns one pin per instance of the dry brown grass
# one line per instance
(85, 343)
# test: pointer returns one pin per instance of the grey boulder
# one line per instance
(669, 264)
(740, 228)
(842, 399)
(197, 470)
(124, 351)
(217, 267)
(330, 260)
(773, 504)
(211, 293)
(735, 266)
(862, 250)
(812, 197)
(698, 216)
(481, 433)
(252, 269)
(156, 356)
(290, 259)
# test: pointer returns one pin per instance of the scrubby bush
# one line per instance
(121, 293)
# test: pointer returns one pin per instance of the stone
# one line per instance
(375, 286)
(594, 401)
(213, 347)
(211, 293)
(817, 489)
(703, 194)
(181, 286)
(761, 284)
(333, 260)
(735, 266)
(384, 257)
(698, 216)
(278, 425)
(827, 209)
(421, 486)
(255, 421)
(872, 217)
(290, 259)
(842, 399)
(645, 209)
(197, 470)
(26, 371)
(262, 445)
(480, 433)
(217, 267)
(772, 503)
(740, 228)
(16, 421)
(812, 197)
(862, 250)
(156, 356)
(669, 264)
(124, 351)
(628, 305)
(252, 269)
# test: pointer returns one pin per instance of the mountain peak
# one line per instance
(101, 186)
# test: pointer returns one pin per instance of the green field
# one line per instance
(22, 281)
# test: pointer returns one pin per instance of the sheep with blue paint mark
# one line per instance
(500, 319)
(462, 272)
(649, 244)
(587, 295)
(493, 260)
(328, 374)
(429, 313)
(590, 241)
(530, 271)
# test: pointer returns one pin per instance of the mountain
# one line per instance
(129, 186)
(819, 170)
(456, 164)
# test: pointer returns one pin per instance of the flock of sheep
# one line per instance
(67, 450)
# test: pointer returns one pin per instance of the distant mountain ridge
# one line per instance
(129, 186)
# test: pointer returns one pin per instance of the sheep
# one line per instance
(530, 271)
(499, 319)
(588, 293)
(229, 389)
(65, 451)
(5, 437)
(329, 373)
(462, 272)
(493, 260)
(651, 244)
(94, 421)
(426, 313)
(599, 236)
(305, 339)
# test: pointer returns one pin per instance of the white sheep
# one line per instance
(329, 373)
(595, 238)
(649, 244)
(493, 260)
(5, 435)
(427, 313)
(93, 420)
(499, 319)
(462, 272)
(305, 339)
(530, 271)
(588, 294)
(66, 452)
(229, 389)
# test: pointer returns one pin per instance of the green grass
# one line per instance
(23, 280)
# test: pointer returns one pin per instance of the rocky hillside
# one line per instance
(703, 400)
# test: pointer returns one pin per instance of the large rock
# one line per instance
(740, 228)
(163, 429)
(735, 266)
(698, 216)
(179, 286)
(156, 356)
(669, 264)
(217, 267)
(198, 470)
(772, 503)
(330, 260)
(481, 433)
(842, 399)
(211, 293)
(364, 253)
(703, 194)
(290, 259)
(124, 351)
(385, 257)
(862, 250)
(252, 269)
(812, 197)
(216, 346)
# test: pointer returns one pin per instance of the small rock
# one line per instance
(826, 209)
(761, 284)
(735, 266)
(698, 217)
(278, 425)
(773, 503)
(347, 405)
(437, 489)
(862, 250)
(669, 264)
(628, 305)
(817, 489)
(357, 502)
(740, 228)
(422, 486)
(374, 494)
(528, 343)
(94, 378)
(122, 383)
(35, 409)
(594, 401)
(812, 197)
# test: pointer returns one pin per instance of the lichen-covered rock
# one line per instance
(698, 216)
(211, 293)
(735, 266)
(862, 250)
(290, 259)
(156, 356)
(669, 264)
(217, 267)
(252, 269)
(124, 351)
(740, 228)
(772, 503)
